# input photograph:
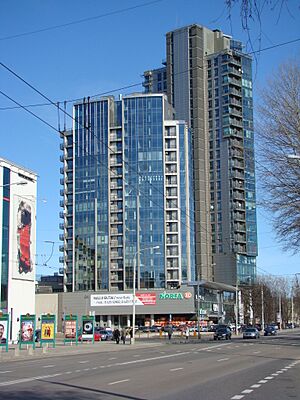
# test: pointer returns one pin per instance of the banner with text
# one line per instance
(141, 299)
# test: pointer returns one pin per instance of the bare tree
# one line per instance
(278, 140)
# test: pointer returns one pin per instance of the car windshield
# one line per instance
(221, 330)
(250, 330)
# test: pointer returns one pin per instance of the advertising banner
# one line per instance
(24, 226)
(88, 323)
(141, 299)
(27, 329)
(71, 328)
(48, 329)
(4, 324)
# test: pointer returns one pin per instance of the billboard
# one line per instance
(27, 331)
(141, 299)
(70, 329)
(87, 328)
(24, 233)
(47, 329)
(3, 332)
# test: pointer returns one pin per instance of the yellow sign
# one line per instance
(47, 331)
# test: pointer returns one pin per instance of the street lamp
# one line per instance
(14, 183)
(133, 292)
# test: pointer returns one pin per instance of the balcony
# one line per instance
(61, 146)
(62, 170)
(61, 226)
(61, 237)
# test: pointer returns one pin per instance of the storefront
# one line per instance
(153, 307)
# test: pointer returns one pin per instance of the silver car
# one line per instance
(251, 333)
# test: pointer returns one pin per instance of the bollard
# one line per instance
(30, 351)
(17, 351)
(160, 333)
(45, 350)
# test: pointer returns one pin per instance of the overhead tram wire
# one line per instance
(54, 104)
(97, 160)
(141, 83)
(80, 21)
(95, 136)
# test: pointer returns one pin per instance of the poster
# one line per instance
(3, 332)
(27, 331)
(87, 328)
(70, 329)
(24, 238)
(47, 330)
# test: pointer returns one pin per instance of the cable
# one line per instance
(98, 161)
(30, 112)
(80, 21)
(139, 83)
(95, 136)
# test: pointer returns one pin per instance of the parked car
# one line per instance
(97, 337)
(105, 334)
(270, 330)
(251, 333)
(222, 333)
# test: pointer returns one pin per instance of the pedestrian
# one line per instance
(116, 335)
(170, 332)
(130, 334)
(187, 334)
(123, 335)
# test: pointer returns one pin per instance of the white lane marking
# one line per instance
(35, 378)
(284, 369)
(262, 381)
(275, 374)
(78, 370)
(247, 391)
(86, 369)
(215, 347)
(83, 362)
(256, 352)
(136, 355)
(279, 372)
(222, 359)
(268, 378)
(236, 346)
(255, 386)
(69, 372)
(175, 369)
(237, 397)
(288, 367)
(4, 372)
(116, 382)
(112, 358)
(94, 367)
(48, 366)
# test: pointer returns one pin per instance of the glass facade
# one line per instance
(91, 196)
(144, 190)
(128, 197)
(5, 239)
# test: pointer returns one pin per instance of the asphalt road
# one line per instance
(267, 368)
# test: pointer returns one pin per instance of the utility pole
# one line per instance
(280, 318)
(236, 308)
(262, 309)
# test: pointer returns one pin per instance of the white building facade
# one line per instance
(18, 188)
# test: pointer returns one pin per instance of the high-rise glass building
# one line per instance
(209, 84)
(127, 196)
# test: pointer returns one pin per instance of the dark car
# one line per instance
(270, 330)
(222, 333)
(251, 333)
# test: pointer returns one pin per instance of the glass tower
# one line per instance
(209, 84)
(127, 190)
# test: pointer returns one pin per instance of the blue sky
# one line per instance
(103, 54)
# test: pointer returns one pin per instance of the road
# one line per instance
(267, 368)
